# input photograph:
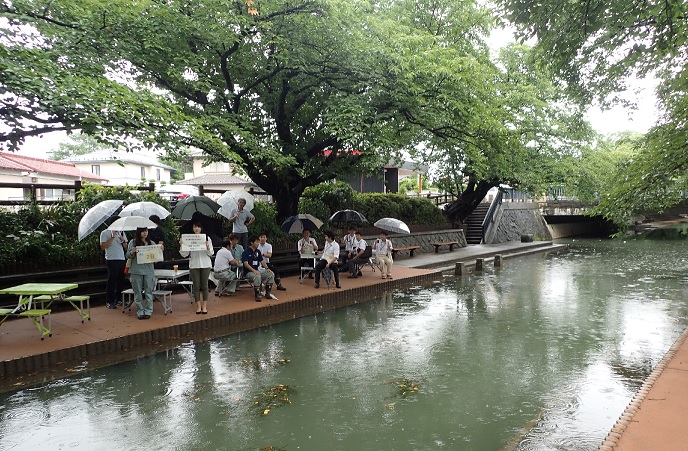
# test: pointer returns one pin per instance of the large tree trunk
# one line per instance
(287, 202)
(469, 199)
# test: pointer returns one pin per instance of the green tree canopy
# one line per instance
(597, 47)
(294, 92)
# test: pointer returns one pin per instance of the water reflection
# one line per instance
(542, 354)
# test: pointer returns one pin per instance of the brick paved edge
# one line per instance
(613, 437)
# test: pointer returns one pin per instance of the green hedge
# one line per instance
(47, 236)
(326, 198)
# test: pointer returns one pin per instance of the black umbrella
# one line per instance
(347, 216)
(297, 223)
(186, 208)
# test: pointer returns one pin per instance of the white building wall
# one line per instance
(128, 174)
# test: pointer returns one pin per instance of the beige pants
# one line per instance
(385, 262)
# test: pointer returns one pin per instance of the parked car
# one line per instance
(175, 193)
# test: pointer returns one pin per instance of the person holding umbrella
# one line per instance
(114, 244)
(349, 244)
(382, 249)
(157, 235)
(141, 275)
(199, 269)
(241, 219)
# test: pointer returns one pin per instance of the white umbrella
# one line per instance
(97, 215)
(392, 225)
(131, 223)
(144, 209)
(230, 200)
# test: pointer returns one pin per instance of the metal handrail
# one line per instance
(490, 213)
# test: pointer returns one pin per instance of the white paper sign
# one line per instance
(148, 254)
(193, 242)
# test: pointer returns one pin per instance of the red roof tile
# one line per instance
(39, 165)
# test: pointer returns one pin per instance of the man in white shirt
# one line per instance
(328, 259)
(225, 268)
(265, 248)
(362, 253)
(349, 241)
(307, 246)
(382, 249)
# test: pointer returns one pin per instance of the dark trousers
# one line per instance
(115, 281)
(272, 268)
(333, 267)
(243, 239)
(355, 262)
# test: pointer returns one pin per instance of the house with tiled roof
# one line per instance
(16, 168)
(216, 178)
(124, 168)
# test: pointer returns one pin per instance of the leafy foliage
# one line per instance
(266, 222)
(48, 234)
(334, 195)
(596, 47)
(295, 93)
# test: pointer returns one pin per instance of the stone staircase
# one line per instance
(474, 224)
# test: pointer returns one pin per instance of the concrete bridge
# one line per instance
(545, 221)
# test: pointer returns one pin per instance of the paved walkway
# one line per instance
(656, 419)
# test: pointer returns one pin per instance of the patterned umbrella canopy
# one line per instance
(97, 215)
(392, 225)
(297, 223)
(185, 208)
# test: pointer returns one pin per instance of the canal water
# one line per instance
(542, 354)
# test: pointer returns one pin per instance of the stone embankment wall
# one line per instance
(424, 239)
(514, 219)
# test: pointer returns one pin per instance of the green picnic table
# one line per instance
(26, 307)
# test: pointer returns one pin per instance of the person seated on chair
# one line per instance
(363, 252)
(307, 246)
(328, 259)
(266, 249)
(253, 260)
(225, 267)
(349, 241)
(382, 249)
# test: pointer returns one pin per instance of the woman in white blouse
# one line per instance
(199, 269)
